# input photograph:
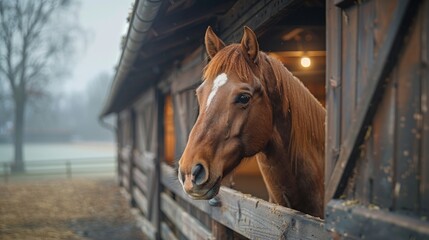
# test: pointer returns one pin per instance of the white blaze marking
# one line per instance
(217, 83)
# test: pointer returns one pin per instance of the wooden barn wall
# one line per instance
(145, 187)
(138, 160)
(184, 81)
(125, 145)
(391, 173)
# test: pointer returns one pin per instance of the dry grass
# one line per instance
(61, 209)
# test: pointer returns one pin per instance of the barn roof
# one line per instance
(161, 33)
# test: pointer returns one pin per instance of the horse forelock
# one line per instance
(230, 59)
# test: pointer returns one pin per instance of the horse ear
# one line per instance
(249, 43)
(213, 43)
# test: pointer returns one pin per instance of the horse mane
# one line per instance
(306, 114)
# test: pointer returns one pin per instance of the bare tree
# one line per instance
(36, 40)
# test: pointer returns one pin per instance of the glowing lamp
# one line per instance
(305, 62)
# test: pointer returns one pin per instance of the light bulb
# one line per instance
(305, 62)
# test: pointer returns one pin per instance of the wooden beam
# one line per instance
(252, 217)
(365, 112)
(141, 180)
(145, 225)
(166, 232)
(253, 14)
(219, 231)
(333, 92)
(125, 169)
(144, 65)
(368, 223)
(344, 3)
(188, 225)
(140, 200)
(180, 38)
(202, 11)
(145, 162)
(125, 184)
(299, 53)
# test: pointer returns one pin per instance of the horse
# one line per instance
(251, 106)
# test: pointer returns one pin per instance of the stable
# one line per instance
(365, 61)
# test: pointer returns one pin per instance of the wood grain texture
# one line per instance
(166, 232)
(407, 128)
(333, 88)
(365, 46)
(145, 161)
(252, 217)
(141, 181)
(365, 111)
(383, 130)
(188, 225)
(354, 221)
(424, 167)
(253, 14)
(349, 67)
(140, 200)
(145, 225)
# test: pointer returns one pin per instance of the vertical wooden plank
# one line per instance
(384, 12)
(219, 231)
(180, 116)
(158, 148)
(119, 149)
(193, 109)
(364, 170)
(407, 142)
(333, 88)
(369, 161)
(349, 60)
(383, 130)
(131, 157)
(185, 114)
(166, 232)
(365, 58)
(365, 53)
(424, 159)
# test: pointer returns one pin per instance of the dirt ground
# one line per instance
(65, 209)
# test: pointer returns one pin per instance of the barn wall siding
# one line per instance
(388, 184)
(390, 156)
(185, 106)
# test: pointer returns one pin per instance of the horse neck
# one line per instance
(292, 163)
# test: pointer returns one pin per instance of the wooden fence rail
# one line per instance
(252, 217)
(248, 216)
(60, 167)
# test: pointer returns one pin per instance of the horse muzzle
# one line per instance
(207, 192)
(197, 184)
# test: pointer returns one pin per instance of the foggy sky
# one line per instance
(104, 22)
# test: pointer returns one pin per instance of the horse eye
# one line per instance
(243, 98)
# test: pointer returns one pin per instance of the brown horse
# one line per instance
(252, 106)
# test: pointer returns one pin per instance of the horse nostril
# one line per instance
(198, 174)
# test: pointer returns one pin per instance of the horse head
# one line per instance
(235, 115)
